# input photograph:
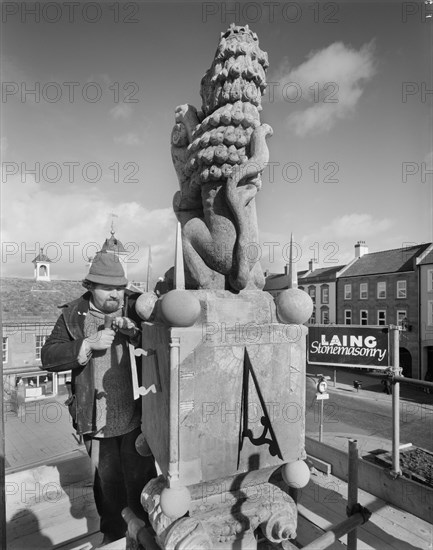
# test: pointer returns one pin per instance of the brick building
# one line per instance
(425, 267)
(29, 311)
(382, 288)
(321, 285)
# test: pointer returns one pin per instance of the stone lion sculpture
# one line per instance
(219, 154)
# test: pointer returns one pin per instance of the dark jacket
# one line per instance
(60, 353)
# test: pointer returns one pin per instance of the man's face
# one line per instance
(108, 298)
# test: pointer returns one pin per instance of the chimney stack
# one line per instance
(310, 265)
(360, 249)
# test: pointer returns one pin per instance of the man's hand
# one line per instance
(125, 325)
(100, 340)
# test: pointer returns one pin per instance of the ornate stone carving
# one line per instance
(226, 518)
(219, 154)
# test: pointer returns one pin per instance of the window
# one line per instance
(313, 317)
(363, 291)
(5, 349)
(312, 293)
(381, 290)
(430, 313)
(430, 280)
(381, 317)
(363, 317)
(40, 341)
(325, 294)
(347, 316)
(324, 312)
(401, 315)
(401, 289)
(347, 292)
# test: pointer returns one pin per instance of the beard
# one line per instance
(110, 306)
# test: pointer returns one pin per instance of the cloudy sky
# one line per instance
(347, 99)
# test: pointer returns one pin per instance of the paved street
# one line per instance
(367, 414)
(41, 432)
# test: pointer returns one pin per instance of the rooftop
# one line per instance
(386, 261)
(41, 257)
(280, 281)
(427, 258)
(25, 300)
(322, 274)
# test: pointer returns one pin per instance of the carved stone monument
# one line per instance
(226, 364)
(219, 154)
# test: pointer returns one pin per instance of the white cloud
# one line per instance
(333, 79)
(74, 225)
(121, 111)
(130, 139)
(356, 226)
(333, 243)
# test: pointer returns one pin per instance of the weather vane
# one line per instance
(112, 221)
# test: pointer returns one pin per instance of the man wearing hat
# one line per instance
(91, 339)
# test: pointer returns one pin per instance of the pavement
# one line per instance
(41, 432)
(342, 382)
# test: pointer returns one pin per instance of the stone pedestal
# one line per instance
(228, 412)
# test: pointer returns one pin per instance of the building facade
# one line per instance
(381, 289)
(321, 285)
(425, 275)
(390, 287)
(29, 311)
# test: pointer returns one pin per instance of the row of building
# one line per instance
(390, 287)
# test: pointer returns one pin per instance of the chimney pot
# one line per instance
(360, 249)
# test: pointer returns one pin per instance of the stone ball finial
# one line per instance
(175, 501)
(145, 305)
(294, 306)
(296, 474)
(180, 308)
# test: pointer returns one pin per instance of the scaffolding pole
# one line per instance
(352, 491)
(396, 471)
(357, 514)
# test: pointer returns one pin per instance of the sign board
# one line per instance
(321, 396)
(348, 346)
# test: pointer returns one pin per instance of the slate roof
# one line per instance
(25, 300)
(276, 281)
(41, 257)
(428, 259)
(386, 261)
(321, 275)
(280, 281)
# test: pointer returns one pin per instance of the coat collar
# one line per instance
(74, 314)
